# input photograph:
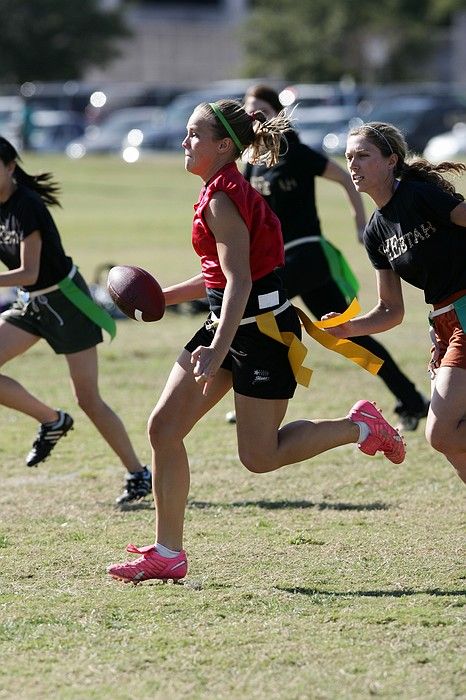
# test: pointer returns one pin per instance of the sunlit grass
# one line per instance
(341, 577)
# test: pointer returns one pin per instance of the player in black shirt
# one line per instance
(314, 269)
(417, 233)
(53, 303)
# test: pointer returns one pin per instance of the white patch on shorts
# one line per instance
(268, 300)
(138, 315)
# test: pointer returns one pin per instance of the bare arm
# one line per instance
(337, 174)
(28, 271)
(233, 245)
(387, 313)
(458, 215)
(193, 288)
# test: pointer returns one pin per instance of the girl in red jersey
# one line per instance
(239, 241)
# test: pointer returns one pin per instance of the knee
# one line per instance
(88, 401)
(162, 429)
(255, 461)
(153, 428)
(439, 438)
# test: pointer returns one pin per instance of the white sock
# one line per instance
(165, 552)
(364, 431)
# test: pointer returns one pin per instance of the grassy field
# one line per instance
(339, 578)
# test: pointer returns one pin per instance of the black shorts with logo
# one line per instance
(259, 364)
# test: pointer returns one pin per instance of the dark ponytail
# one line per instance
(43, 184)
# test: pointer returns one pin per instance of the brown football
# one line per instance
(136, 293)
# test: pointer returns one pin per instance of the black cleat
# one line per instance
(409, 419)
(47, 437)
(138, 485)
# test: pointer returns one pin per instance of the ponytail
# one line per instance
(44, 184)
(422, 169)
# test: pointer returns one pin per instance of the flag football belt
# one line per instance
(214, 320)
(47, 290)
(80, 299)
(459, 306)
(300, 241)
(340, 269)
(297, 351)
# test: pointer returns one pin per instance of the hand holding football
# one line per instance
(136, 293)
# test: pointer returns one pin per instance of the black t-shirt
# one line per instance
(289, 188)
(21, 215)
(413, 235)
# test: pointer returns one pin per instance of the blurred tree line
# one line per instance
(52, 40)
(298, 40)
(323, 40)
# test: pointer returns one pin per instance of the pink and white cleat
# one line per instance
(151, 565)
(382, 437)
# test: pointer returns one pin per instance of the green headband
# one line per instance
(227, 126)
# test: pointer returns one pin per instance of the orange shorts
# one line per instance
(449, 341)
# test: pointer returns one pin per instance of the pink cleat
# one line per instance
(382, 437)
(151, 565)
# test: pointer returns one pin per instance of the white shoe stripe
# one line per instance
(180, 563)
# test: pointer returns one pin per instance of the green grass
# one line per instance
(341, 577)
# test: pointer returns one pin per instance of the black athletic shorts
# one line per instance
(55, 318)
(259, 364)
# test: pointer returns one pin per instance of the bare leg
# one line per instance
(84, 379)
(15, 342)
(179, 408)
(263, 446)
(446, 422)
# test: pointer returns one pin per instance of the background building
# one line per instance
(186, 42)
(179, 43)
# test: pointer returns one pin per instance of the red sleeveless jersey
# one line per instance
(266, 241)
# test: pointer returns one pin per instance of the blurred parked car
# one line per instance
(322, 94)
(111, 135)
(420, 117)
(51, 129)
(316, 125)
(450, 144)
(324, 112)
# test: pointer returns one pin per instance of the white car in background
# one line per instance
(52, 129)
(450, 144)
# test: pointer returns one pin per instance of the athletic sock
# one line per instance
(364, 431)
(58, 422)
(165, 552)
